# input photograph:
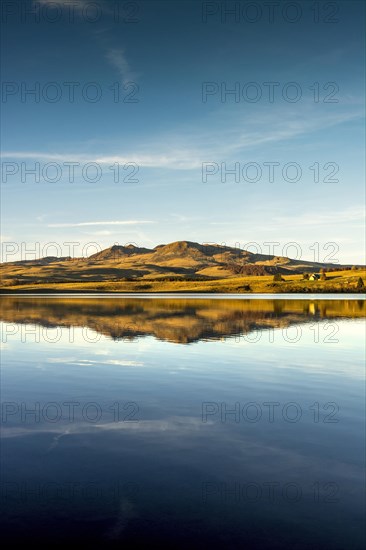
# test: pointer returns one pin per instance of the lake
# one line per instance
(184, 421)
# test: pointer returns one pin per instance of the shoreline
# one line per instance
(193, 294)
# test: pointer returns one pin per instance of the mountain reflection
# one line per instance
(179, 320)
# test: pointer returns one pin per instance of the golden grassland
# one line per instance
(335, 282)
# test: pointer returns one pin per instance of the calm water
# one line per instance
(184, 422)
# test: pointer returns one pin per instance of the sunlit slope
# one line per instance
(182, 265)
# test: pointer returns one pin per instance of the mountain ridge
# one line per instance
(178, 260)
(181, 249)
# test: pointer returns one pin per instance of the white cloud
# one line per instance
(189, 148)
(82, 224)
(179, 159)
(117, 58)
(75, 5)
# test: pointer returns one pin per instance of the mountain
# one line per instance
(183, 260)
(40, 261)
(117, 251)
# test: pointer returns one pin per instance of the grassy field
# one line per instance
(336, 281)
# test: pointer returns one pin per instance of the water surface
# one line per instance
(185, 422)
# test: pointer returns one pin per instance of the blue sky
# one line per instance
(174, 133)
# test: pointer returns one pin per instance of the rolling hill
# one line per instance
(178, 261)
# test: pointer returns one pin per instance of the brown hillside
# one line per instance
(182, 260)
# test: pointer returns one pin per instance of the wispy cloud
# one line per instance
(75, 5)
(223, 139)
(181, 159)
(83, 224)
(117, 58)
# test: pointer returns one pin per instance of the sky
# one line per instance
(148, 122)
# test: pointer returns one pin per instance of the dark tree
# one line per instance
(360, 284)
